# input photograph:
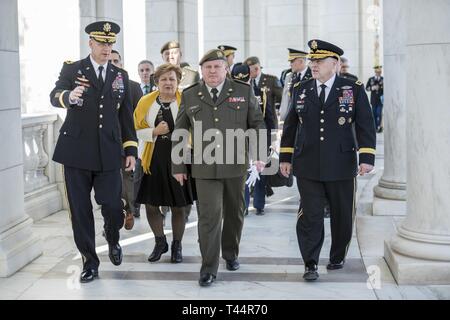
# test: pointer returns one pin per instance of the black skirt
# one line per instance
(159, 188)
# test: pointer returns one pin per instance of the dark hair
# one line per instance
(146, 61)
(167, 67)
(117, 52)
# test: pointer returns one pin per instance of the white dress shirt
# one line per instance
(219, 89)
(96, 65)
(329, 84)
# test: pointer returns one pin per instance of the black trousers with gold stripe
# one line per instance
(310, 219)
(107, 187)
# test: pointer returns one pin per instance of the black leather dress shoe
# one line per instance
(233, 265)
(206, 279)
(115, 254)
(311, 273)
(335, 266)
(260, 212)
(88, 275)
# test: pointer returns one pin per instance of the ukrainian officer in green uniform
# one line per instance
(171, 53)
(97, 132)
(335, 122)
(217, 104)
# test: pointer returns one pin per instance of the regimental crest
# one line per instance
(219, 54)
(107, 27)
(314, 45)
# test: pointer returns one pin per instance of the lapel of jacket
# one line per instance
(226, 91)
(89, 72)
(334, 91)
(311, 93)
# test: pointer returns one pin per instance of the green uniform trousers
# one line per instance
(219, 198)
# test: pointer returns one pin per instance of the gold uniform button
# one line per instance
(321, 129)
(322, 138)
(216, 120)
(322, 112)
(101, 106)
(102, 97)
(215, 108)
(100, 126)
(322, 121)
(101, 116)
(65, 132)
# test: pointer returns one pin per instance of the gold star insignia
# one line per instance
(314, 45)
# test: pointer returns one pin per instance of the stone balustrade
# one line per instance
(41, 193)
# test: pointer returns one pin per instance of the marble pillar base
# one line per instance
(18, 247)
(385, 207)
(407, 270)
(389, 199)
(43, 202)
(390, 190)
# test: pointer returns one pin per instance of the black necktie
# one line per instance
(100, 76)
(322, 94)
(146, 87)
(255, 87)
(214, 92)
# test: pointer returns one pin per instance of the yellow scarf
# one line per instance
(140, 113)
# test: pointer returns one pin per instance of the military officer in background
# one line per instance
(229, 52)
(171, 53)
(128, 189)
(269, 83)
(343, 70)
(375, 86)
(97, 132)
(299, 72)
(218, 103)
(336, 122)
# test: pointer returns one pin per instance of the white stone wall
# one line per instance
(224, 23)
(172, 20)
(97, 10)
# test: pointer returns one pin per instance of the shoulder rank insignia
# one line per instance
(358, 82)
(68, 62)
(297, 84)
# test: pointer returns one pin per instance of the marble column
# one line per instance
(390, 193)
(284, 26)
(225, 23)
(172, 20)
(420, 252)
(18, 245)
(350, 24)
(97, 10)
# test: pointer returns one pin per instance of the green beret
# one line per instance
(214, 54)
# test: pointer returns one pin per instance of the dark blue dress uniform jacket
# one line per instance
(97, 134)
(323, 142)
